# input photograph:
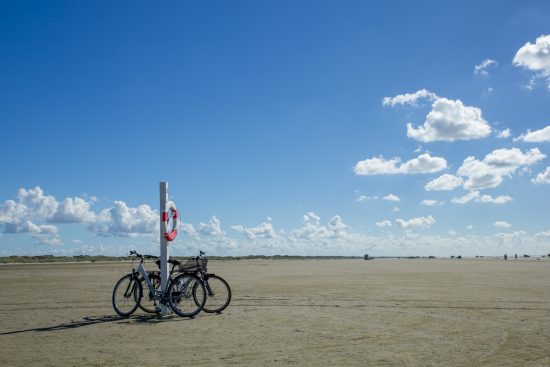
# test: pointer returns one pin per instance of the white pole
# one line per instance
(164, 309)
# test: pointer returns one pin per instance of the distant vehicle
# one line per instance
(367, 257)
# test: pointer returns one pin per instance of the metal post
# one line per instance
(165, 309)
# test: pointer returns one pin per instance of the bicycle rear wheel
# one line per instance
(181, 295)
(126, 295)
(218, 294)
(148, 302)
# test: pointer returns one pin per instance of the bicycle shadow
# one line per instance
(93, 320)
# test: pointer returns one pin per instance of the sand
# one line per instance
(289, 312)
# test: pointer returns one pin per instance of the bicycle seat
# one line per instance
(170, 261)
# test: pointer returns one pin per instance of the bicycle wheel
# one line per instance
(181, 295)
(148, 302)
(126, 295)
(218, 294)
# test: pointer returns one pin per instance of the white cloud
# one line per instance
(212, 228)
(450, 120)
(424, 163)
(503, 134)
(383, 224)
(478, 198)
(537, 136)
(47, 240)
(420, 222)
(313, 230)
(391, 197)
(501, 199)
(543, 177)
(543, 234)
(444, 182)
(189, 229)
(71, 210)
(470, 226)
(26, 226)
(39, 205)
(429, 202)
(124, 221)
(395, 209)
(535, 57)
(466, 198)
(491, 171)
(365, 198)
(409, 98)
(263, 230)
(33, 206)
(502, 224)
(481, 69)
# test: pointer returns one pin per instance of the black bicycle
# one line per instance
(185, 293)
(218, 292)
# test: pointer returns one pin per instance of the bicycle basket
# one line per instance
(193, 265)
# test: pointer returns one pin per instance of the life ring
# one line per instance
(170, 233)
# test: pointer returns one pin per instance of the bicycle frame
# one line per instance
(157, 295)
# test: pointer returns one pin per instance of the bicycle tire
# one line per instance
(218, 294)
(149, 303)
(126, 295)
(181, 295)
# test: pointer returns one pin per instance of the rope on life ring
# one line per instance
(170, 233)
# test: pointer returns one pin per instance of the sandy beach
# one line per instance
(477, 312)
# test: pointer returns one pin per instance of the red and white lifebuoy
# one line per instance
(170, 233)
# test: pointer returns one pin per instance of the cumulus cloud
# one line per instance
(445, 182)
(424, 163)
(503, 134)
(47, 240)
(496, 165)
(312, 229)
(189, 229)
(212, 228)
(73, 210)
(502, 224)
(543, 177)
(543, 234)
(383, 224)
(124, 221)
(26, 226)
(450, 120)
(481, 69)
(475, 196)
(263, 230)
(31, 207)
(38, 205)
(409, 98)
(537, 136)
(419, 222)
(535, 57)
(391, 197)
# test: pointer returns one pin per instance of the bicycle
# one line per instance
(128, 291)
(218, 292)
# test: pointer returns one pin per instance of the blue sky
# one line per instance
(268, 121)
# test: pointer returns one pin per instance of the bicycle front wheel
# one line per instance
(126, 295)
(218, 294)
(181, 295)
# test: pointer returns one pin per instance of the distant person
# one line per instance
(505, 256)
(516, 256)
